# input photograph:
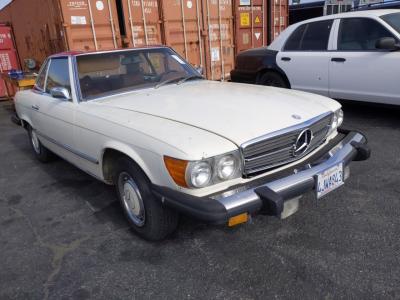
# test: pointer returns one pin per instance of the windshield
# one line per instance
(393, 20)
(109, 73)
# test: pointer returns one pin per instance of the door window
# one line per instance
(41, 79)
(58, 75)
(360, 34)
(310, 37)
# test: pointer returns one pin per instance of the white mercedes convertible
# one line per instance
(174, 143)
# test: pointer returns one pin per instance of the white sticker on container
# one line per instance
(78, 20)
(178, 60)
(99, 5)
(189, 4)
(215, 54)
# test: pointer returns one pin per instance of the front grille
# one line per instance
(278, 149)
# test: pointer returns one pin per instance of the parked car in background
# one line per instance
(171, 142)
(353, 56)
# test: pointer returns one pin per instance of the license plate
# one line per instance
(329, 180)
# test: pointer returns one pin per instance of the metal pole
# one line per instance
(144, 23)
(92, 23)
(112, 24)
(220, 41)
(264, 7)
(131, 22)
(199, 33)
(184, 29)
(209, 39)
(252, 24)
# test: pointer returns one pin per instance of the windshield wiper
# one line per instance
(168, 81)
(190, 78)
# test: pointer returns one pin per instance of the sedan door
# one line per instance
(305, 57)
(360, 71)
(56, 115)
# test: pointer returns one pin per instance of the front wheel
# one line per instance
(144, 212)
(273, 79)
(41, 153)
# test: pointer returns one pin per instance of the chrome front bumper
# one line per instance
(269, 195)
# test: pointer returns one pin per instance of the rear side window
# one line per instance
(58, 75)
(294, 41)
(310, 37)
(41, 79)
(393, 20)
(360, 34)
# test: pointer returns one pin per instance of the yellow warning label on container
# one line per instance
(244, 19)
(257, 20)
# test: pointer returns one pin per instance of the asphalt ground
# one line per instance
(63, 235)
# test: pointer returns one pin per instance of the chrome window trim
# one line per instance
(46, 65)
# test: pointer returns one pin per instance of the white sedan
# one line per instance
(352, 56)
(171, 142)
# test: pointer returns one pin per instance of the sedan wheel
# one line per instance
(41, 153)
(146, 214)
(273, 79)
(131, 199)
(35, 142)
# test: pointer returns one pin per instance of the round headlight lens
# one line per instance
(200, 174)
(340, 117)
(334, 122)
(226, 167)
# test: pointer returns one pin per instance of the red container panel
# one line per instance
(6, 41)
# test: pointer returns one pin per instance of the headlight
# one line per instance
(226, 167)
(340, 117)
(198, 174)
(337, 120)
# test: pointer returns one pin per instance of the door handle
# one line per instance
(286, 58)
(35, 107)
(338, 59)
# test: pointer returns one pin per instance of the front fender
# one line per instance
(151, 163)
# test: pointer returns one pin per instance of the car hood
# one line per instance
(237, 112)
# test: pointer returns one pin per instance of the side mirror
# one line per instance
(199, 70)
(60, 93)
(387, 43)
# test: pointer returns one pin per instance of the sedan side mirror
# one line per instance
(60, 93)
(387, 43)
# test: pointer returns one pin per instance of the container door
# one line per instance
(142, 22)
(91, 24)
(8, 58)
(183, 29)
(249, 18)
(219, 46)
(279, 17)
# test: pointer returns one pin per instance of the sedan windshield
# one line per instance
(393, 20)
(110, 73)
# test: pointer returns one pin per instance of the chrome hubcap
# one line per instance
(35, 141)
(131, 198)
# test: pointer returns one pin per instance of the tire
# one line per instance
(40, 152)
(144, 212)
(273, 79)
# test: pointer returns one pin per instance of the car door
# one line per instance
(55, 115)
(35, 97)
(360, 71)
(305, 57)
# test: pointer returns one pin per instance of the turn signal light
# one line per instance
(242, 218)
(177, 170)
